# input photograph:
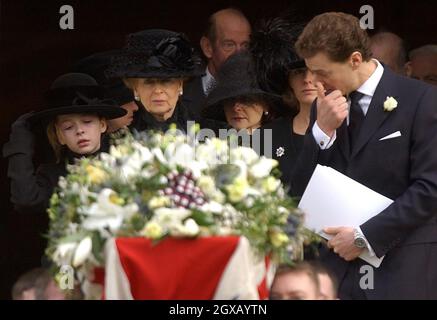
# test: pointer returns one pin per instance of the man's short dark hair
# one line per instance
(335, 33)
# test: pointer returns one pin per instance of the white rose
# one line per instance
(390, 103)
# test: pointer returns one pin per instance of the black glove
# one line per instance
(21, 139)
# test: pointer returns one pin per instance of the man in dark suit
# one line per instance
(227, 32)
(382, 135)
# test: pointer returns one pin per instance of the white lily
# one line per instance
(106, 213)
(82, 251)
(144, 153)
(64, 253)
(157, 153)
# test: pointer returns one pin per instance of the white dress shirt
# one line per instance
(207, 81)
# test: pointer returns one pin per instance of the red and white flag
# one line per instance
(185, 269)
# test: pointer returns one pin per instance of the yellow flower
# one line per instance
(157, 202)
(270, 184)
(152, 230)
(95, 175)
(278, 239)
(115, 199)
(237, 190)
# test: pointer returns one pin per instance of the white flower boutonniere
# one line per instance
(390, 103)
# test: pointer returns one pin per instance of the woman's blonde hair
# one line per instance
(53, 140)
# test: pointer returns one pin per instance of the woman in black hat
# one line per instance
(74, 120)
(237, 97)
(154, 64)
(280, 71)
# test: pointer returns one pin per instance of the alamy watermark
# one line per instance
(66, 277)
(367, 281)
(367, 21)
(66, 22)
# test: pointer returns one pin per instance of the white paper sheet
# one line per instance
(332, 199)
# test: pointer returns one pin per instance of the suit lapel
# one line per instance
(375, 115)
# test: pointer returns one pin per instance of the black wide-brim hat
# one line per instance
(96, 65)
(76, 93)
(274, 55)
(156, 53)
(236, 79)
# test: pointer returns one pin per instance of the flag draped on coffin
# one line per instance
(173, 269)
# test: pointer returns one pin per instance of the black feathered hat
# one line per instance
(96, 65)
(272, 48)
(156, 53)
(235, 79)
(76, 93)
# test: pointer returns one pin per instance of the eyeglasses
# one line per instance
(229, 46)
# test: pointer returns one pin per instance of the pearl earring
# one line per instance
(181, 92)
(137, 98)
(266, 113)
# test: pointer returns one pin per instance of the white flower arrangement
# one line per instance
(157, 185)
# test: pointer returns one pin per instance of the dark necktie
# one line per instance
(356, 117)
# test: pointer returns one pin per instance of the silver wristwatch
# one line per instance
(359, 240)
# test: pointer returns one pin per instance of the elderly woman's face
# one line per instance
(159, 96)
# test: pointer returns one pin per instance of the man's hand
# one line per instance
(331, 110)
(342, 242)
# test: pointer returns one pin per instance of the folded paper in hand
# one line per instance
(332, 199)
